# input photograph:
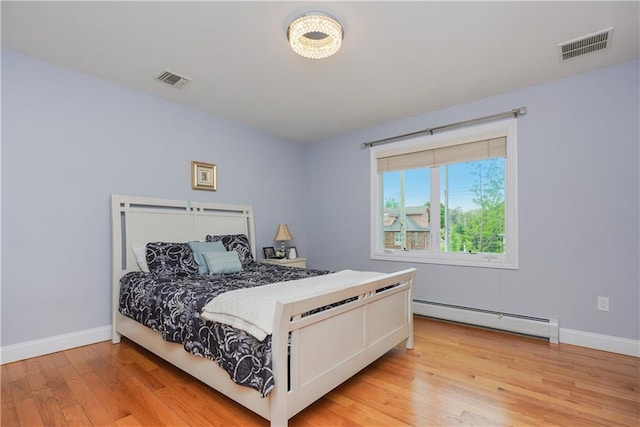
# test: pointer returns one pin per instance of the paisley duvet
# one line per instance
(172, 306)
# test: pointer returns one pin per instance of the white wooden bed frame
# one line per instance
(327, 348)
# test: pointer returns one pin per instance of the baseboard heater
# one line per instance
(527, 325)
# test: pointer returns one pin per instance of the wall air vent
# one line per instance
(586, 44)
(173, 79)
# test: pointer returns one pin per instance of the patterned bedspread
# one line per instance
(172, 307)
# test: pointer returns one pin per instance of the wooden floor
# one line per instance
(455, 375)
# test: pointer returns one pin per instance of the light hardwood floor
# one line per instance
(455, 375)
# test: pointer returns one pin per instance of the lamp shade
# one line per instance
(283, 233)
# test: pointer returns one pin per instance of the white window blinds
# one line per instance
(467, 152)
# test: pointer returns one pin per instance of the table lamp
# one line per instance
(283, 234)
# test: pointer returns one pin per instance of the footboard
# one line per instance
(328, 347)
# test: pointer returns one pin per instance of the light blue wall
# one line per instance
(68, 142)
(578, 205)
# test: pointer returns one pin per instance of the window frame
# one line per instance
(508, 260)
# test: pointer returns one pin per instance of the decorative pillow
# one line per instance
(200, 248)
(223, 262)
(169, 259)
(140, 253)
(235, 242)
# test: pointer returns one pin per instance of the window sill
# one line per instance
(462, 260)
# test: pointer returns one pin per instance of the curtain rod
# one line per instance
(515, 113)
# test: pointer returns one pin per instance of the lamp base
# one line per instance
(281, 253)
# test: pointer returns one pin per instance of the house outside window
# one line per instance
(470, 175)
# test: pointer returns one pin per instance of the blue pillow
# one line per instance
(223, 262)
(201, 248)
(235, 242)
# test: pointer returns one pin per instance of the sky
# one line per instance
(417, 185)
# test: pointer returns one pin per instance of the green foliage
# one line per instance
(391, 203)
(482, 229)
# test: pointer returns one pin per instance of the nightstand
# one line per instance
(296, 262)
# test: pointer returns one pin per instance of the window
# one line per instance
(449, 198)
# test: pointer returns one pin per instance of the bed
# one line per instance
(307, 359)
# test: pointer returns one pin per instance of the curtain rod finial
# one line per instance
(518, 111)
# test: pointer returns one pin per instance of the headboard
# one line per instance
(139, 220)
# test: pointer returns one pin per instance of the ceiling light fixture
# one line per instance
(315, 35)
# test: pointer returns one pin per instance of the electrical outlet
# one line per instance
(603, 303)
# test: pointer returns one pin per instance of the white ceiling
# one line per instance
(398, 59)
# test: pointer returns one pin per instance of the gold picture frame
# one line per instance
(203, 176)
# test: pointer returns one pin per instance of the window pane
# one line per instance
(406, 197)
(472, 206)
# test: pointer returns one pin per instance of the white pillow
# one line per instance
(141, 257)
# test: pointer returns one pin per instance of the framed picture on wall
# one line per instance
(203, 176)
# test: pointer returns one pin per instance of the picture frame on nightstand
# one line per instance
(269, 252)
(291, 252)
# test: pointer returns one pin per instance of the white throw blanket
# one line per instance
(253, 309)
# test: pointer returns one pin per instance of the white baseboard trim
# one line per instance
(600, 342)
(26, 350)
(549, 330)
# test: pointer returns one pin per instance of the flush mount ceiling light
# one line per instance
(315, 35)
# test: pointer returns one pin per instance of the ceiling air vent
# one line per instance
(173, 79)
(586, 44)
